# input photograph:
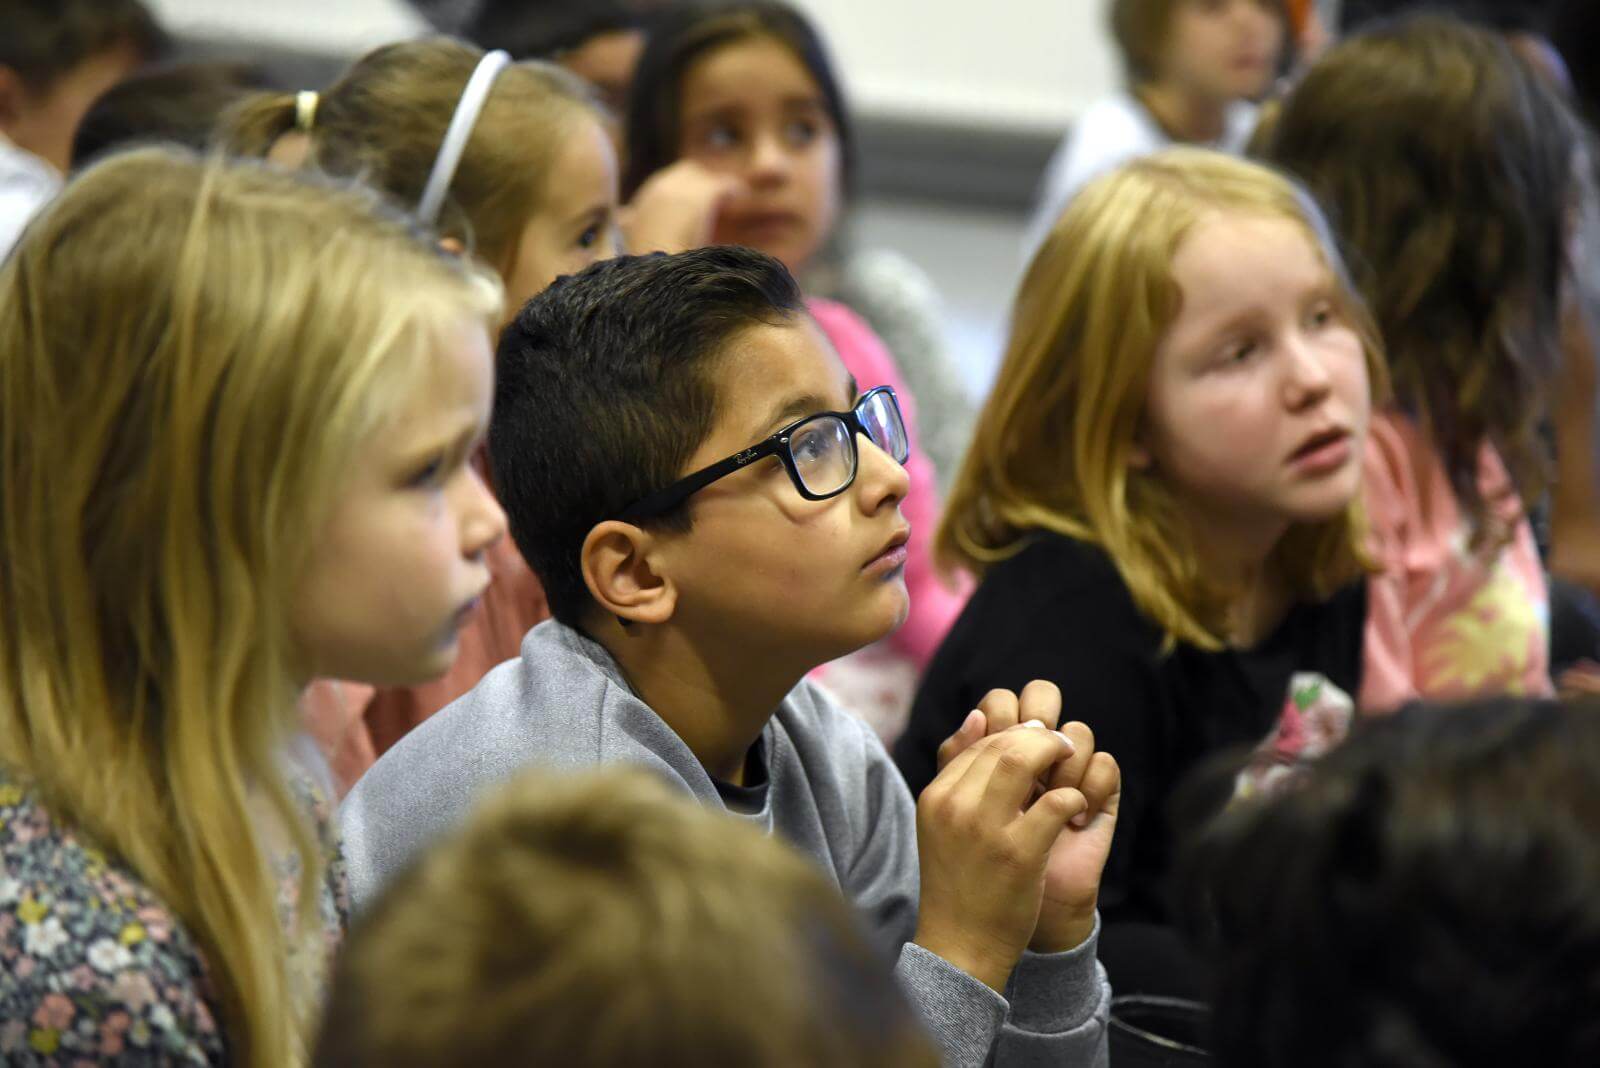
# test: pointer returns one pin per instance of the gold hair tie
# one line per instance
(305, 110)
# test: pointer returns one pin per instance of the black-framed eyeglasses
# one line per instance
(819, 452)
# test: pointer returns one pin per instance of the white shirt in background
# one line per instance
(1112, 131)
(27, 183)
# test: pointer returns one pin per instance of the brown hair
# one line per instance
(45, 39)
(1426, 894)
(385, 117)
(1053, 445)
(1141, 29)
(1448, 170)
(603, 920)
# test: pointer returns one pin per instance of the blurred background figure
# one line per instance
(1194, 69)
(56, 58)
(599, 40)
(179, 103)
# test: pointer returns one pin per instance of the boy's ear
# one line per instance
(619, 566)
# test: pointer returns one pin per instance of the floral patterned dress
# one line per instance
(94, 969)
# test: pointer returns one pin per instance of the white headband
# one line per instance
(459, 133)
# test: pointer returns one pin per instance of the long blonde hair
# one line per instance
(192, 352)
(1053, 444)
(385, 118)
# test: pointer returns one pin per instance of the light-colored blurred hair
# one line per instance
(604, 920)
(193, 353)
(385, 118)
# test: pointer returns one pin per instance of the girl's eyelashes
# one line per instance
(1239, 351)
(595, 230)
(430, 474)
(443, 465)
(720, 136)
(802, 132)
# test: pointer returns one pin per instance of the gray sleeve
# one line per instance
(960, 1013)
(1059, 1002)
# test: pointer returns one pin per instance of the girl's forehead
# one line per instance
(749, 66)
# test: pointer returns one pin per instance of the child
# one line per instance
(598, 40)
(56, 57)
(1193, 68)
(177, 104)
(1428, 894)
(244, 469)
(1455, 189)
(747, 89)
(600, 920)
(534, 193)
(1164, 483)
(713, 509)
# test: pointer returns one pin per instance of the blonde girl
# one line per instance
(514, 162)
(235, 412)
(1160, 502)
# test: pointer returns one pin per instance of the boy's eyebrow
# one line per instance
(801, 405)
(793, 408)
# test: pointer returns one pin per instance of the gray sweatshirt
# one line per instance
(832, 792)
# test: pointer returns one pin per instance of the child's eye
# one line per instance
(1239, 352)
(811, 445)
(429, 475)
(802, 132)
(721, 137)
(589, 238)
(1321, 316)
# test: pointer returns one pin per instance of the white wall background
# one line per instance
(331, 25)
(1018, 63)
(1028, 64)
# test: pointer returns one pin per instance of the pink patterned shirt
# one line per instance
(1444, 621)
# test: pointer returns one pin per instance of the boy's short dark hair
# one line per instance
(1429, 894)
(547, 30)
(606, 385)
(177, 104)
(44, 39)
(603, 919)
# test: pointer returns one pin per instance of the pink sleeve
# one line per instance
(934, 605)
(1386, 677)
(1446, 621)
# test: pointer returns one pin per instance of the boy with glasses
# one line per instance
(713, 509)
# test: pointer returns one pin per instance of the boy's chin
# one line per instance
(887, 612)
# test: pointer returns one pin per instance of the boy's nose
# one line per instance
(881, 478)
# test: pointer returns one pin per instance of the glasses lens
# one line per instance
(822, 454)
(880, 414)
